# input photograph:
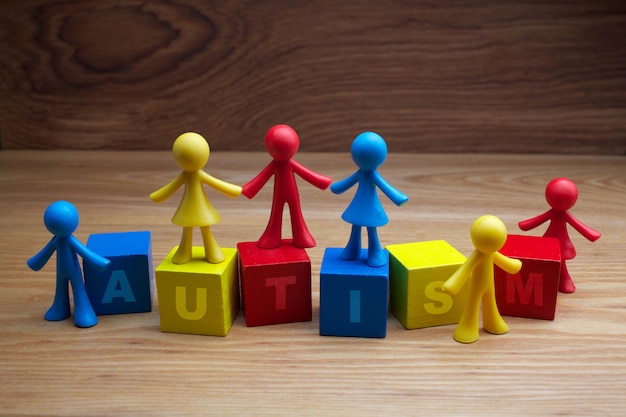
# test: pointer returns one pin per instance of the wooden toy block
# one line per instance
(127, 285)
(353, 296)
(275, 284)
(532, 292)
(417, 272)
(198, 297)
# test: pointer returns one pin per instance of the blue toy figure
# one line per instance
(369, 151)
(61, 219)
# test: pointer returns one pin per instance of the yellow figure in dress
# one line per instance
(488, 235)
(191, 152)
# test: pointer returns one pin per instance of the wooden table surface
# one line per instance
(574, 365)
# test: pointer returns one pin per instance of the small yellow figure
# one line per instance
(191, 152)
(488, 235)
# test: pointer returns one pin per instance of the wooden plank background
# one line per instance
(430, 76)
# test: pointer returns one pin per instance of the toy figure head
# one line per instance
(561, 194)
(61, 218)
(369, 150)
(282, 142)
(488, 234)
(191, 151)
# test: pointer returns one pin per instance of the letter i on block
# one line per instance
(198, 297)
(127, 285)
(275, 283)
(353, 296)
(532, 292)
(417, 272)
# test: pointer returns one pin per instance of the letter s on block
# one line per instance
(434, 291)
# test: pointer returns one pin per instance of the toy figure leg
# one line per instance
(375, 254)
(183, 254)
(302, 238)
(492, 320)
(84, 316)
(212, 250)
(353, 249)
(467, 329)
(60, 309)
(271, 236)
(566, 284)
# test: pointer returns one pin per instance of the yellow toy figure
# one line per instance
(191, 152)
(488, 235)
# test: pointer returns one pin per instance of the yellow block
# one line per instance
(417, 274)
(198, 297)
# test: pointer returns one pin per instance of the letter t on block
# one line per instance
(275, 284)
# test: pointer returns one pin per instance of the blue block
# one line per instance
(353, 296)
(127, 285)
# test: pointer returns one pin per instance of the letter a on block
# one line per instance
(280, 285)
(434, 292)
(181, 303)
(534, 285)
(118, 287)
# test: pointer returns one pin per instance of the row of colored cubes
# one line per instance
(203, 298)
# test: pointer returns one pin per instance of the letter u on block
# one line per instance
(181, 304)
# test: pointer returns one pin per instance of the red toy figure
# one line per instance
(282, 143)
(561, 195)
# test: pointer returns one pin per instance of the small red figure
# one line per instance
(282, 143)
(561, 195)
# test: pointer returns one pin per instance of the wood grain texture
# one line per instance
(460, 76)
(575, 365)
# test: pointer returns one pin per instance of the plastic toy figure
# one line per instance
(369, 151)
(561, 195)
(282, 143)
(61, 219)
(488, 235)
(191, 152)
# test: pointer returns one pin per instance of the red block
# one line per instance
(275, 284)
(532, 292)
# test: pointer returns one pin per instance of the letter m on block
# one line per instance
(534, 286)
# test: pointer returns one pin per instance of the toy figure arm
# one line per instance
(166, 191)
(509, 265)
(345, 184)
(456, 281)
(88, 255)
(40, 259)
(590, 234)
(393, 194)
(318, 180)
(535, 221)
(252, 187)
(226, 188)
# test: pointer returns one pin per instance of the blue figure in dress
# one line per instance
(369, 151)
(61, 219)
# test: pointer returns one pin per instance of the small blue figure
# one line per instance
(369, 151)
(61, 219)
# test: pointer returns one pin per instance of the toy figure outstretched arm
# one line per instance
(252, 187)
(88, 255)
(166, 191)
(318, 180)
(590, 234)
(41, 258)
(535, 221)
(509, 265)
(393, 194)
(226, 188)
(345, 184)
(456, 281)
